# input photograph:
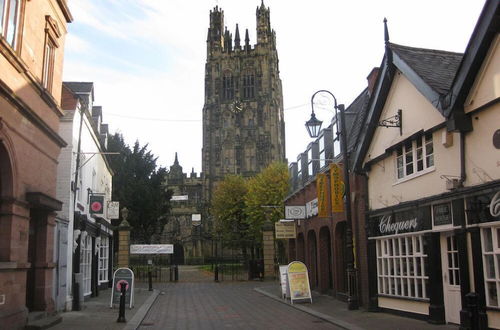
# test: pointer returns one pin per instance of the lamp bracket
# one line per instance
(394, 121)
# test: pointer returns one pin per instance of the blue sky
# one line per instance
(146, 57)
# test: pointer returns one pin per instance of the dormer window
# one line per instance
(415, 156)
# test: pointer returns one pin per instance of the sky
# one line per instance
(147, 58)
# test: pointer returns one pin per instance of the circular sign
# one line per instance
(96, 206)
(496, 139)
(119, 286)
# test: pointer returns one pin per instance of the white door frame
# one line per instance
(451, 277)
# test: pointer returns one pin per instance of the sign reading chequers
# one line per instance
(399, 222)
(151, 249)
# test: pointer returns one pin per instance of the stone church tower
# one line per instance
(243, 124)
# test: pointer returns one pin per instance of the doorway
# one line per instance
(451, 278)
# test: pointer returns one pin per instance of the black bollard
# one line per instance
(471, 301)
(121, 313)
(216, 273)
(76, 297)
(150, 279)
(176, 273)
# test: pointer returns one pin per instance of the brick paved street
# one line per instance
(196, 302)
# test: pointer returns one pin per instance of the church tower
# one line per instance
(243, 124)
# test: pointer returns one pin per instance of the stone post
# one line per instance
(268, 250)
(124, 240)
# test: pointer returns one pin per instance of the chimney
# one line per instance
(372, 79)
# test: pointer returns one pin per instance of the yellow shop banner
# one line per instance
(321, 186)
(337, 187)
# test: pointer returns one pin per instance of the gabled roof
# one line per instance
(484, 33)
(355, 117)
(444, 78)
(437, 68)
(80, 87)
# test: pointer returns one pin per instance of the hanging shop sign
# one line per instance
(284, 230)
(96, 203)
(483, 208)
(151, 249)
(400, 222)
(123, 275)
(337, 188)
(312, 208)
(298, 281)
(321, 188)
(295, 212)
(113, 210)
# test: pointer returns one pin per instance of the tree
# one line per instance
(228, 207)
(265, 197)
(137, 184)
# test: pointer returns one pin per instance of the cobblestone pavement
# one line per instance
(197, 302)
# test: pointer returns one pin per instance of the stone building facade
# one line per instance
(32, 35)
(243, 124)
(184, 225)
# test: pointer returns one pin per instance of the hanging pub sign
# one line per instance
(321, 184)
(483, 208)
(337, 188)
(295, 212)
(394, 223)
(113, 210)
(96, 203)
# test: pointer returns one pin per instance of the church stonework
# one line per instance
(243, 123)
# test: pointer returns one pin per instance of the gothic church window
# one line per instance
(227, 87)
(248, 86)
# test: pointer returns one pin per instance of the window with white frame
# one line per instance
(104, 259)
(336, 139)
(299, 169)
(490, 242)
(322, 153)
(415, 156)
(86, 262)
(9, 20)
(401, 269)
(310, 165)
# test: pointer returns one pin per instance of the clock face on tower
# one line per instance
(236, 107)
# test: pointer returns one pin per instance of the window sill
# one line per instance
(424, 300)
(414, 175)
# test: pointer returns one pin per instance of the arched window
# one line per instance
(248, 86)
(227, 87)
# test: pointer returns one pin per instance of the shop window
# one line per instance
(103, 259)
(490, 242)
(413, 157)
(86, 262)
(401, 267)
(9, 15)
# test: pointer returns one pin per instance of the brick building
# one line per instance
(32, 35)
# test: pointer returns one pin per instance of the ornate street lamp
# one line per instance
(313, 129)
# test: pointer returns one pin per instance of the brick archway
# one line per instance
(301, 249)
(312, 249)
(325, 260)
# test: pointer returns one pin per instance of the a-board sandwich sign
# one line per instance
(285, 289)
(123, 275)
(298, 280)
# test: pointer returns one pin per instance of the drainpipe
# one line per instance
(463, 175)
